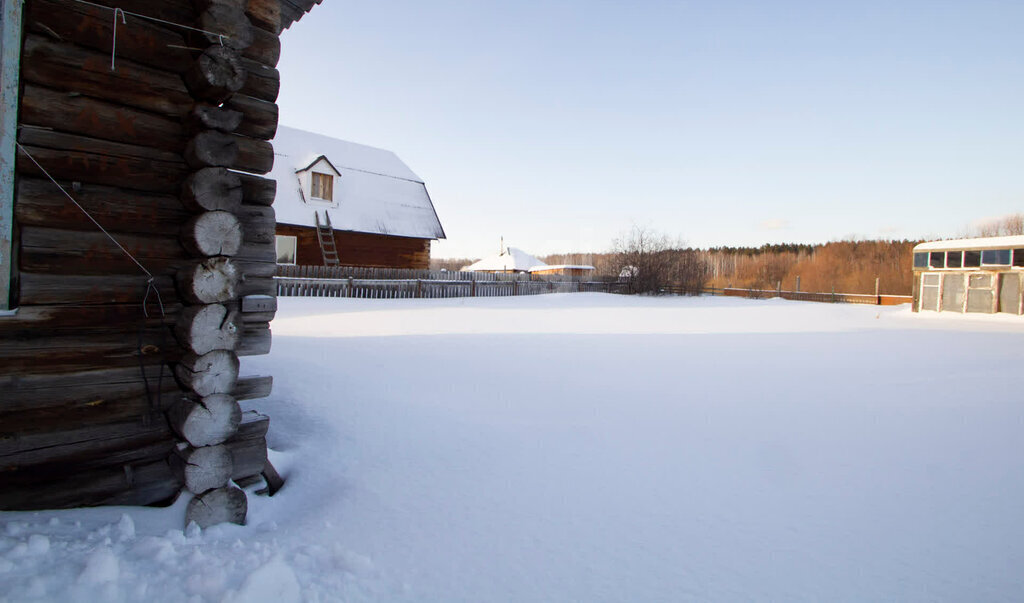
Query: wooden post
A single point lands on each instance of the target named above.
(878, 298)
(798, 284)
(10, 60)
(419, 288)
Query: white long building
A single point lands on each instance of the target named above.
(970, 275)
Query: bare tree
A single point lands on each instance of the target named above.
(1012, 224)
(651, 262)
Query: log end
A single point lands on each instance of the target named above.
(222, 505)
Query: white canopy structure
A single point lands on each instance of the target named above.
(511, 259)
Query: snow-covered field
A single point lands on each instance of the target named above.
(589, 447)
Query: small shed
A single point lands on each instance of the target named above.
(343, 203)
(508, 260)
(970, 275)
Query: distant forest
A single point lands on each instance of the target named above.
(849, 266)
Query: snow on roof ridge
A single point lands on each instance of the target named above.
(976, 243)
(357, 146)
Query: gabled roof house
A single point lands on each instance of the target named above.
(343, 203)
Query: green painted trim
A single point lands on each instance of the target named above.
(10, 64)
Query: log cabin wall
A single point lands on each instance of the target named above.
(360, 249)
(107, 385)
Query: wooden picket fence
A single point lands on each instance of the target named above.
(396, 283)
(426, 288)
(391, 274)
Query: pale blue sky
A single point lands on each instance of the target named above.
(559, 124)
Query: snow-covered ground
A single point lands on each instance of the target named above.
(589, 447)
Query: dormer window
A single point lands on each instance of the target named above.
(323, 187)
(317, 182)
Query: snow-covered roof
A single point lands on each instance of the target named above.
(980, 243)
(375, 193)
(512, 259)
(561, 267)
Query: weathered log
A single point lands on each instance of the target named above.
(218, 149)
(256, 340)
(48, 250)
(212, 233)
(76, 351)
(122, 389)
(121, 347)
(40, 203)
(253, 387)
(84, 444)
(256, 156)
(223, 505)
(265, 48)
(71, 112)
(215, 75)
(203, 468)
(210, 281)
(211, 149)
(253, 268)
(212, 373)
(83, 159)
(39, 289)
(206, 421)
(175, 11)
(274, 480)
(257, 190)
(249, 455)
(211, 189)
(260, 116)
(253, 425)
(44, 289)
(258, 225)
(265, 14)
(70, 68)
(258, 286)
(249, 445)
(228, 21)
(141, 40)
(129, 484)
(261, 82)
(210, 117)
(40, 321)
(70, 289)
(203, 329)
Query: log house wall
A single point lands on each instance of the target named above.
(81, 363)
(360, 249)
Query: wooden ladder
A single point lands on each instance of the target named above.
(325, 234)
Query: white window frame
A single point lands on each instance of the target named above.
(294, 240)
